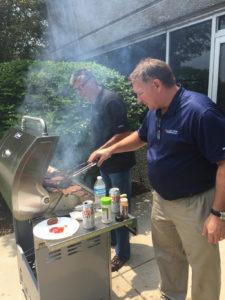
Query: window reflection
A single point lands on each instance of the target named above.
(189, 56)
(125, 59)
(221, 79)
(221, 22)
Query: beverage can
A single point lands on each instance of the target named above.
(124, 208)
(88, 214)
(114, 194)
(106, 210)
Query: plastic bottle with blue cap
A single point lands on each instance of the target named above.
(99, 191)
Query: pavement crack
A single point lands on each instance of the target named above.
(133, 268)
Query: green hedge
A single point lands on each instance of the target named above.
(42, 89)
(12, 91)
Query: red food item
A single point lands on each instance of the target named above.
(71, 189)
(57, 178)
(52, 221)
(56, 229)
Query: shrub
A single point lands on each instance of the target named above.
(12, 90)
(42, 89)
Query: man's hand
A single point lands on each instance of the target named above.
(100, 156)
(214, 227)
(130, 143)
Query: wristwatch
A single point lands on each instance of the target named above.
(219, 214)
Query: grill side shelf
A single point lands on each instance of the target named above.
(83, 234)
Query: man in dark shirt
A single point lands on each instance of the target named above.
(185, 134)
(109, 125)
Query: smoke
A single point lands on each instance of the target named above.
(74, 32)
(48, 93)
(49, 96)
(62, 33)
(81, 31)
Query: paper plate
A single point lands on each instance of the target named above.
(77, 215)
(64, 228)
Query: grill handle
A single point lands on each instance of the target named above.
(43, 125)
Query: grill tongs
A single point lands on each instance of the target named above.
(75, 171)
(82, 168)
(66, 180)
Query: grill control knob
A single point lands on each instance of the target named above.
(6, 153)
(46, 200)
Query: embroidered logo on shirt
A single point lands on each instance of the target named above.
(120, 126)
(18, 135)
(171, 131)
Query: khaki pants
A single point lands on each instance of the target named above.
(177, 238)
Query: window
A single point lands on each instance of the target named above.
(221, 22)
(189, 55)
(125, 59)
(221, 79)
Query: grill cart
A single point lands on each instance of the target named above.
(71, 266)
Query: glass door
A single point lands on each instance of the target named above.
(218, 92)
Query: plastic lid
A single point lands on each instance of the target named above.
(123, 195)
(105, 200)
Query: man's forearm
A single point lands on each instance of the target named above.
(214, 227)
(115, 139)
(130, 143)
(219, 202)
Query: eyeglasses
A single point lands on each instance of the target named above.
(82, 85)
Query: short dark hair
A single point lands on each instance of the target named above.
(151, 68)
(83, 72)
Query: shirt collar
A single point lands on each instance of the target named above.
(174, 103)
(99, 98)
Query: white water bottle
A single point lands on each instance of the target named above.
(99, 191)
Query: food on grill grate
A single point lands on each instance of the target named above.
(48, 183)
(57, 182)
(58, 178)
(73, 189)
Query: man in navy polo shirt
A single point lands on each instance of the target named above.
(185, 134)
(109, 125)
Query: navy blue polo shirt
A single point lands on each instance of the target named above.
(184, 145)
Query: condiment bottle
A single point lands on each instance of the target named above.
(124, 208)
(106, 210)
(123, 196)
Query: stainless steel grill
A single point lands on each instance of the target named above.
(75, 267)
